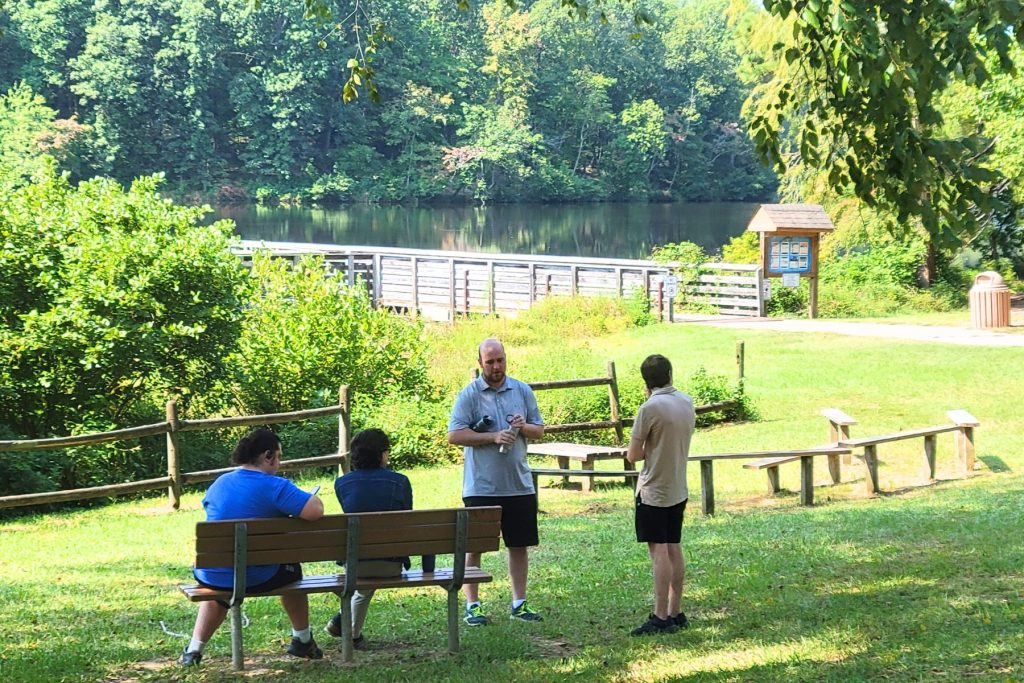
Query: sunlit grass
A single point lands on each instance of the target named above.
(923, 582)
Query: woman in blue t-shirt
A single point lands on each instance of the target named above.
(255, 491)
(370, 487)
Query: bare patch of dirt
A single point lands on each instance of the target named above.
(554, 648)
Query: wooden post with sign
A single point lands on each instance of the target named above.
(790, 235)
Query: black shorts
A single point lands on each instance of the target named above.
(286, 573)
(518, 517)
(659, 525)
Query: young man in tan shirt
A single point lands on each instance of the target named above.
(661, 438)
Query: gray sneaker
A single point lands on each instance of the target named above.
(475, 616)
(524, 613)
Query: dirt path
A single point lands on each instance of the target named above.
(964, 336)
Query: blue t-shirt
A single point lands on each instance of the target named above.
(375, 490)
(248, 494)
(487, 471)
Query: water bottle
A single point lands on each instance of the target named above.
(504, 447)
(483, 424)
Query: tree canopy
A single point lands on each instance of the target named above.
(862, 82)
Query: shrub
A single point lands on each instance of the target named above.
(744, 248)
(306, 332)
(109, 301)
(417, 426)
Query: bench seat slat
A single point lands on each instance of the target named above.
(898, 436)
(338, 538)
(369, 521)
(770, 462)
(332, 583)
(585, 473)
(331, 553)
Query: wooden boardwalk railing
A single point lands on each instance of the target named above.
(445, 284)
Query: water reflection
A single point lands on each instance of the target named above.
(602, 230)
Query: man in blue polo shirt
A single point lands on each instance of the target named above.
(493, 417)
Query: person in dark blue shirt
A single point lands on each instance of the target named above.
(370, 487)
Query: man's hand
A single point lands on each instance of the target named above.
(506, 437)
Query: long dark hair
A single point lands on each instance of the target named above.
(253, 445)
(367, 449)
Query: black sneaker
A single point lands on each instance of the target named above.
(333, 627)
(681, 621)
(305, 650)
(359, 643)
(655, 625)
(190, 658)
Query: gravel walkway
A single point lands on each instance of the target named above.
(964, 336)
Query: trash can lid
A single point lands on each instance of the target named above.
(990, 279)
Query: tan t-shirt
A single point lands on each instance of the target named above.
(664, 427)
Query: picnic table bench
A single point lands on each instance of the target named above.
(587, 455)
(335, 538)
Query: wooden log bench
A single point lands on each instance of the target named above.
(629, 475)
(805, 456)
(336, 538)
(838, 429)
(587, 455)
(961, 422)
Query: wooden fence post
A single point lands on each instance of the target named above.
(343, 427)
(173, 465)
(491, 300)
(762, 303)
(964, 437)
(807, 480)
(871, 465)
(414, 267)
(929, 456)
(838, 431)
(661, 302)
(739, 360)
(707, 487)
(613, 402)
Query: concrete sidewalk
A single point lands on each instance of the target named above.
(965, 336)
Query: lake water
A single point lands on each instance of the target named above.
(601, 230)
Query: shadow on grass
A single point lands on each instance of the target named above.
(897, 588)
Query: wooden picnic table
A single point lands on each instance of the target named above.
(586, 454)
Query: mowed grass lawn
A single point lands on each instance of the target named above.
(924, 582)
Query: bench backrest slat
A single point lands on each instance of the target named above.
(386, 534)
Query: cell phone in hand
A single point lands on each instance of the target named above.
(316, 490)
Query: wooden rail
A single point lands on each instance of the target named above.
(175, 478)
(445, 284)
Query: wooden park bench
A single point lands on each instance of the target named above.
(537, 472)
(348, 538)
(838, 430)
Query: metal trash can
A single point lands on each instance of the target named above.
(990, 301)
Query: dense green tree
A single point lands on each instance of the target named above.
(231, 98)
(110, 300)
(866, 98)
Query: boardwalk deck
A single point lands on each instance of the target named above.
(444, 284)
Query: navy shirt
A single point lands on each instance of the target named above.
(374, 490)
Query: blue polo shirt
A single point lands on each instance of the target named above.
(248, 494)
(488, 472)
